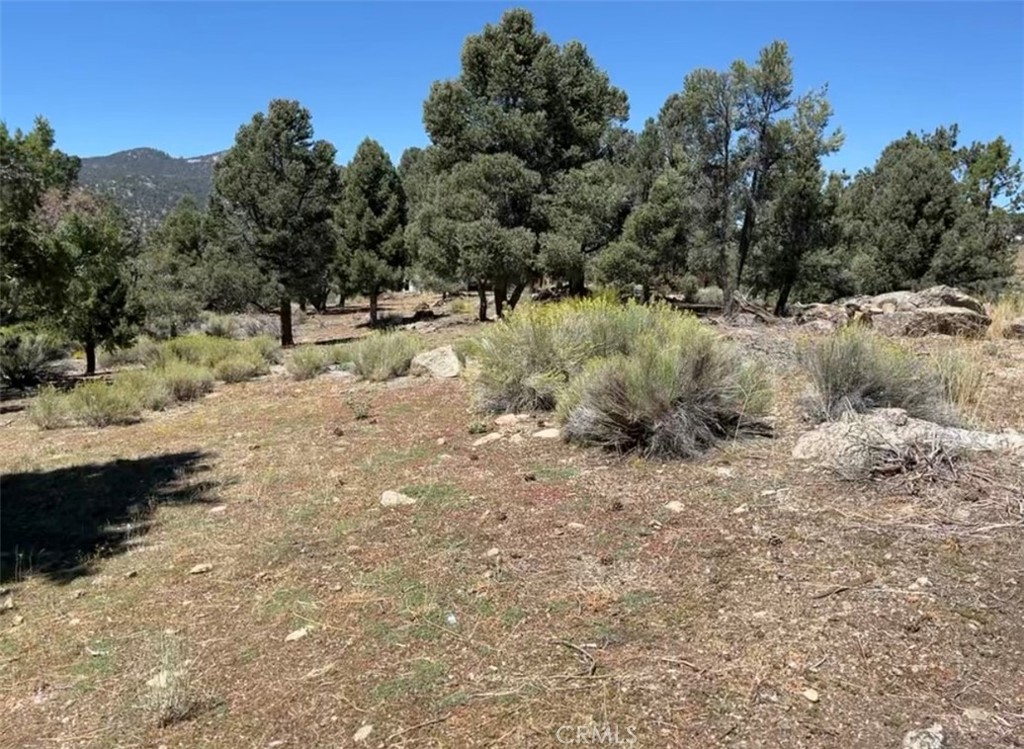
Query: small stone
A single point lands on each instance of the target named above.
(8, 604)
(507, 420)
(352, 548)
(487, 439)
(363, 733)
(441, 440)
(297, 634)
(575, 526)
(724, 472)
(923, 582)
(517, 439)
(493, 552)
(451, 620)
(933, 737)
(18, 619)
(675, 506)
(395, 499)
(201, 569)
(552, 433)
(811, 695)
(218, 509)
(741, 509)
(976, 714)
(131, 573)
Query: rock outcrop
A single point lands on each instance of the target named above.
(439, 362)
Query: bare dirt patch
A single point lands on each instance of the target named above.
(530, 587)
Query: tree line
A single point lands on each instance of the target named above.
(530, 174)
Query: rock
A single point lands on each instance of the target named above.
(976, 714)
(575, 526)
(439, 362)
(907, 301)
(395, 499)
(510, 420)
(363, 733)
(201, 569)
(957, 321)
(1014, 329)
(552, 433)
(493, 552)
(857, 444)
(297, 634)
(821, 316)
(933, 737)
(517, 439)
(487, 439)
(8, 604)
(675, 506)
(441, 440)
(811, 695)
(218, 509)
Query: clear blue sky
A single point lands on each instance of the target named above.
(182, 76)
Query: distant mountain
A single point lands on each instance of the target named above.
(148, 183)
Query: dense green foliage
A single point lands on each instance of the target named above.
(530, 176)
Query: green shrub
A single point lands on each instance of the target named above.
(49, 409)
(28, 357)
(381, 356)
(144, 351)
(239, 368)
(199, 349)
(99, 404)
(147, 387)
(529, 356)
(679, 391)
(306, 362)
(857, 370)
(219, 326)
(186, 381)
(265, 347)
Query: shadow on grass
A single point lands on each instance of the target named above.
(59, 523)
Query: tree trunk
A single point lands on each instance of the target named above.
(483, 301)
(517, 292)
(302, 303)
(286, 322)
(373, 309)
(90, 357)
(783, 300)
(746, 233)
(577, 283)
(500, 295)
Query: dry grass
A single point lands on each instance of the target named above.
(897, 601)
(1007, 310)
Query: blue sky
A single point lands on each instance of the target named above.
(182, 76)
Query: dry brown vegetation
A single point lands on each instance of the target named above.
(222, 574)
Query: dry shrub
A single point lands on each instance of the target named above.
(677, 393)
(49, 409)
(1007, 310)
(170, 696)
(239, 368)
(28, 357)
(149, 389)
(855, 369)
(381, 356)
(962, 380)
(99, 404)
(306, 362)
(187, 381)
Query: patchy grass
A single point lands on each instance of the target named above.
(444, 622)
(855, 369)
(381, 356)
(1006, 311)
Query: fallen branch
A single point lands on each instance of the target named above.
(416, 727)
(586, 656)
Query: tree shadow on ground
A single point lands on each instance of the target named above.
(59, 523)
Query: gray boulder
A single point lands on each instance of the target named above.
(439, 362)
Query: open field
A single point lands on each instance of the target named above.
(222, 574)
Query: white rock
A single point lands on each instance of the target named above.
(363, 733)
(297, 634)
(218, 509)
(675, 506)
(933, 737)
(487, 439)
(811, 695)
(395, 499)
(552, 433)
(493, 552)
(439, 362)
(201, 569)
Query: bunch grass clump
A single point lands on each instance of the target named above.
(306, 362)
(677, 393)
(240, 367)
(28, 356)
(186, 381)
(381, 356)
(147, 387)
(1007, 310)
(49, 409)
(526, 359)
(98, 403)
(857, 370)
(962, 380)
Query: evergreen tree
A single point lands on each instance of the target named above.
(371, 219)
(274, 193)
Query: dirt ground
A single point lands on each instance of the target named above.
(222, 574)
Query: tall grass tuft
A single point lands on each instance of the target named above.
(677, 392)
(186, 381)
(1007, 310)
(381, 356)
(147, 387)
(855, 369)
(49, 409)
(241, 367)
(99, 404)
(306, 362)
(962, 380)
